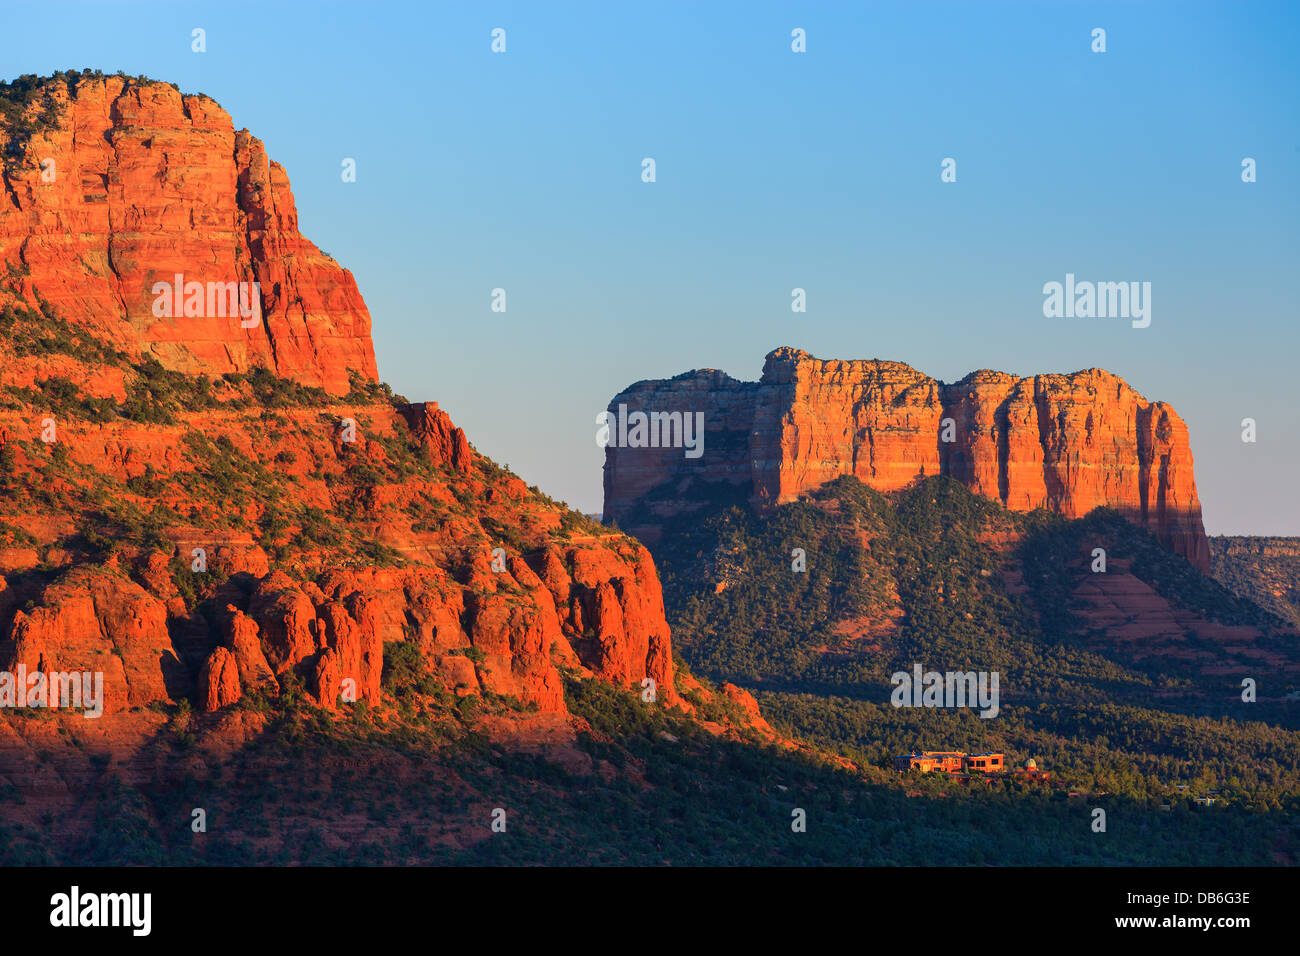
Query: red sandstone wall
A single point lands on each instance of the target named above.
(1068, 443)
(149, 183)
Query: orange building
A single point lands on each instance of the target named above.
(989, 764)
(944, 761)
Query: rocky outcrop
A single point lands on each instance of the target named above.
(98, 622)
(251, 665)
(218, 681)
(594, 607)
(744, 700)
(133, 184)
(1067, 443)
(614, 616)
(443, 443)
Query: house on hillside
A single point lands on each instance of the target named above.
(987, 762)
(990, 764)
(944, 761)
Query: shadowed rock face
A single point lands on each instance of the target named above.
(1067, 443)
(134, 184)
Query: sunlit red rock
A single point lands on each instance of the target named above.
(443, 443)
(149, 184)
(218, 681)
(1067, 443)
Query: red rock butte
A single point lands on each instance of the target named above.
(111, 184)
(134, 183)
(1067, 443)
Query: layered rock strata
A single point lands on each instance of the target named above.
(1067, 443)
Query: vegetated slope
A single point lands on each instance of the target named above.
(103, 522)
(317, 546)
(938, 575)
(1263, 569)
(634, 785)
(1127, 681)
(231, 560)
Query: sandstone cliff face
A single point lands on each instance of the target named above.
(136, 184)
(482, 622)
(443, 443)
(1067, 443)
(487, 615)
(323, 544)
(99, 622)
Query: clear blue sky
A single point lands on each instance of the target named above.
(775, 170)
